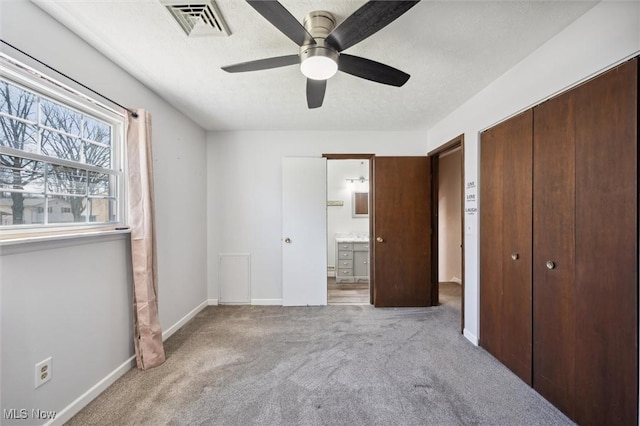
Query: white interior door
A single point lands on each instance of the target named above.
(304, 231)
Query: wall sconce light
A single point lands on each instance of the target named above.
(358, 184)
(361, 179)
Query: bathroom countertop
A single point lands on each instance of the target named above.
(352, 238)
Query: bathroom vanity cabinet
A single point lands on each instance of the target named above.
(352, 260)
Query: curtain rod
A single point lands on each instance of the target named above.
(133, 113)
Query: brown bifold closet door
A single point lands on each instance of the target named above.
(491, 200)
(582, 285)
(585, 266)
(554, 328)
(606, 113)
(505, 243)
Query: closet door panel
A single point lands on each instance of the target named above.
(505, 227)
(606, 247)
(554, 326)
(516, 253)
(491, 252)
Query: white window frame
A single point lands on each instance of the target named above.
(45, 87)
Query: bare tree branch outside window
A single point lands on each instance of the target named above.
(17, 172)
(36, 125)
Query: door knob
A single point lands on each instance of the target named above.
(380, 239)
(287, 240)
(515, 256)
(551, 264)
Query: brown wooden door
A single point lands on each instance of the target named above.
(554, 328)
(517, 246)
(491, 247)
(606, 112)
(402, 227)
(586, 249)
(505, 243)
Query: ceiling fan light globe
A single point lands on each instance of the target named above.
(318, 62)
(319, 67)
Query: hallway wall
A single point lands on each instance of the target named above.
(450, 217)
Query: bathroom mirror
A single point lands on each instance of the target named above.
(360, 204)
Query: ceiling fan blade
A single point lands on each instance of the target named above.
(367, 20)
(283, 20)
(372, 70)
(263, 64)
(315, 92)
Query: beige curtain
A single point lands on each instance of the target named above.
(147, 332)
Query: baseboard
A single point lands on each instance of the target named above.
(74, 408)
(470, 337)
(212, 302)
(175, 327)
(267, 302)
(456, 280)
(235, 303)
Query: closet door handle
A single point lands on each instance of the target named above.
(515, 256)
(551, 264)
(380, 239)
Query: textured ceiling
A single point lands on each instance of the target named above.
(451, 49)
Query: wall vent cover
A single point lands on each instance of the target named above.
(200, 18)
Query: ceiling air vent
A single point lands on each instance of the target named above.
(200, 18)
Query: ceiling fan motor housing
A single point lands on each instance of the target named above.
(319, 24)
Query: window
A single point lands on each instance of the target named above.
(60, 158)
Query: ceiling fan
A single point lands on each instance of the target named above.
(321, 44)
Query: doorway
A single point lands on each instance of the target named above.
(348, 226)
(400, 225)
(448, 259)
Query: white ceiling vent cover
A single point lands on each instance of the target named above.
(201, 18)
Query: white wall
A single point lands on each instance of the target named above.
(604, 36)
(73, 300)
(340, 219)
(245, 196)
(449, 213)
(78, 315)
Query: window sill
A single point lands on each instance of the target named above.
(16, 240)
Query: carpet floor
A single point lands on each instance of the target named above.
(333, 365)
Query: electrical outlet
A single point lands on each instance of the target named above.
(43, 372)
